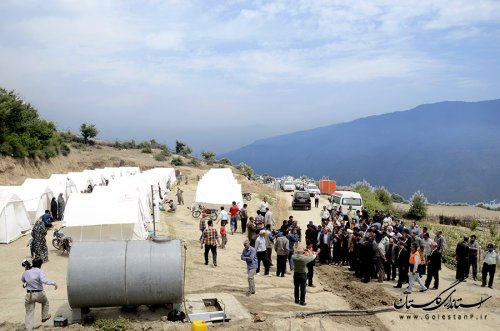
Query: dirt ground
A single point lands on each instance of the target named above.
(336, 288)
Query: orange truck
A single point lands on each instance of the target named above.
(327, 186)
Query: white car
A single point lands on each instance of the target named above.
(312, 189)
(288, 186)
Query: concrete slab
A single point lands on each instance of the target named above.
(234, 309)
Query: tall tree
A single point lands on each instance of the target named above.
(88, 132)
(418, 207)
(181, 148)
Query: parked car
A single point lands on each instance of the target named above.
(301, 199)
(312, 189)
(288, 186)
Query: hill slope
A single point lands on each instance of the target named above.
(448, 150)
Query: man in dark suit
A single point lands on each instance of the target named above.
(433, 267)
(402, 261)
(462, 255)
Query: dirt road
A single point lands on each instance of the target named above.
(335, 287)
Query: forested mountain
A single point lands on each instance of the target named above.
(448, 150)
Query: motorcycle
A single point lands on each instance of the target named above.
(212, 213)
(247, 196)
(61, 242)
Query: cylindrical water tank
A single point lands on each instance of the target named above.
(118, 273)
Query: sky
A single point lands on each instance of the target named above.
(221, 74)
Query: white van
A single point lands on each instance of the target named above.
(346, 199)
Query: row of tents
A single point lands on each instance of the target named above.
(119, 207)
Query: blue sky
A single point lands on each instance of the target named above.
(221, 74)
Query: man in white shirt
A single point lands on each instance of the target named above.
(490, 258)
(260, 247)
(224, 216)
(268, 218)
(263, 206)
(325, 216)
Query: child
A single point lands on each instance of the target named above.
(223, 235)
(202, 225)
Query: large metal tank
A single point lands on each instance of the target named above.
(118, 273)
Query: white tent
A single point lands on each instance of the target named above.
(103, 216)
(60, 183)
(14, 221)
(96, 175)
(218, 186)
(81, 180)
(36, 196)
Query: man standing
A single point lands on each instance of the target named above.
(490, 259)
(269, 244)
(390, 260)
(223, 216)
(380, 253)
(268, 218)
(300, 276)
(473, 253)
(233, 211)
(281, 246)
(263, 206)
(316, 200)
(402, 263)
(433, 267)
(462, 255)
(310, 266)
(34, 279)
(440, 241)
(211, 240)
(180, 198)
(325, 216)
(244, 218)
(249, 255)
(260, 247)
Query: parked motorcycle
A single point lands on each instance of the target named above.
(212, 213)
(61, 242)
(247, 196)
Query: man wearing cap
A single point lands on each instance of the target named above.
(490, 259)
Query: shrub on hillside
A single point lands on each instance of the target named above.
(383, 196)
(474, 225)
(418, 207)
(225, 161)
(397, 198)
(161, 156)
(194, 162)
(147, 149)
(177, 161)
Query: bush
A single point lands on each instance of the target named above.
(162, 156)
(397, 198)
(177, 161)
(383, 196)
(65, 150)
(225, 161)
(147, 149)
(474, 224)
(418, 208)
(194, 162)
(120, 324)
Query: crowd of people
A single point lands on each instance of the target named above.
(374, 247)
